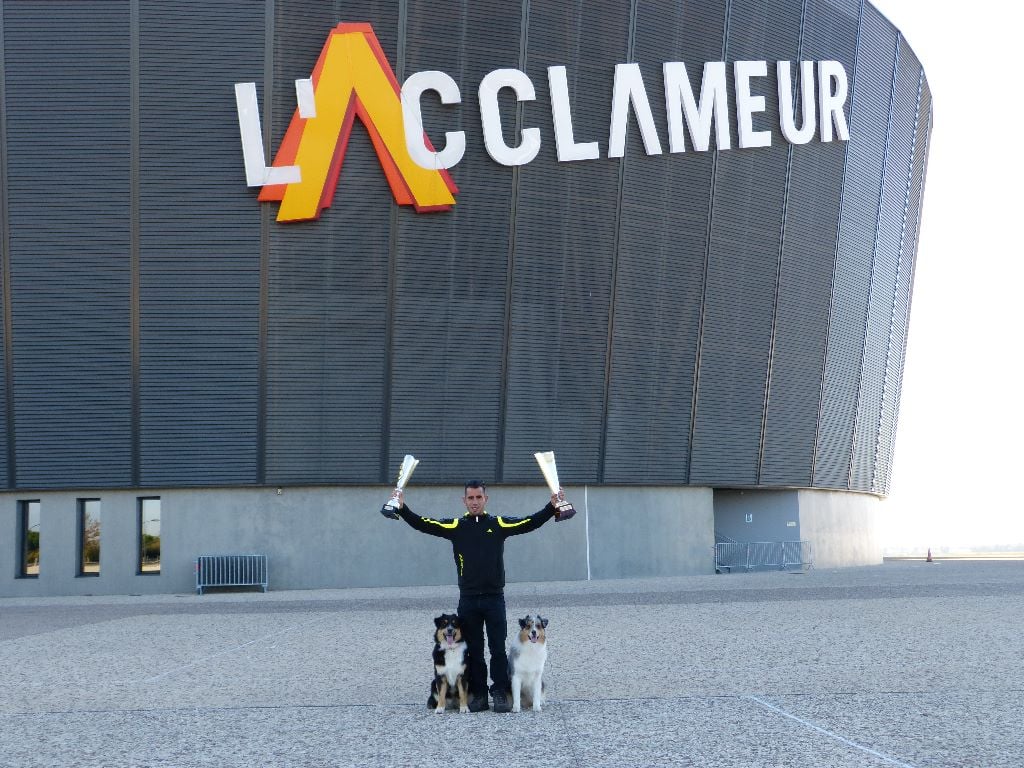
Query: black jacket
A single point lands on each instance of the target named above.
(478, 544)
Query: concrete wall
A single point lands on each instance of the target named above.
(842, 527)
(332, 538)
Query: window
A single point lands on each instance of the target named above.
(28, 538)
(149, 535)
(89, 537)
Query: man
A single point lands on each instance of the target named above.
(478, 545)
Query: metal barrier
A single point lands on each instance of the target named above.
(781, 555)
(796, 555)
(231, 571)
(729, 555)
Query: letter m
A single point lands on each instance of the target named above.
(352, 78)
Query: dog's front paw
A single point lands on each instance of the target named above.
(463, 710)
(536, 707)
(439, 709)
(516, 708)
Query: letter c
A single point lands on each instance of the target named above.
(415, 137)
(491, 117)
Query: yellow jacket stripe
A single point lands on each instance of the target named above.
(452, 524)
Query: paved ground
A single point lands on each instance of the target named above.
(904, 664)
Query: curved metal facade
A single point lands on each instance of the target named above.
(722, 318)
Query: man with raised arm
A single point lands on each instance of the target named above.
(478, 545)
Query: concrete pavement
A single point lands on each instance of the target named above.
(904, 664)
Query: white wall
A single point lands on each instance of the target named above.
(842, 528)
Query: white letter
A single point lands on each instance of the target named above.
(415, 137)
(629, 87)
(305, 98)
(491, 118)
(256, 171)
(747, 105)
(714, 105)
(831, 102)
(787, 120)
(561, 113)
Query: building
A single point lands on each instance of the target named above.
(691, 284)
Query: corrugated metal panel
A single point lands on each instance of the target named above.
(68, 173)
(742, 270)
(8, 433)
(901, 305)
(562, 277)
(885, 271)
(452, 271)
(326, 342)
(328, 290)
(662, 242)
(199, 246)
(857, 233)
(805, 276)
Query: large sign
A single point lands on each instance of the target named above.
(352, 78)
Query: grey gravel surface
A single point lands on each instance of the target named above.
(904, 664)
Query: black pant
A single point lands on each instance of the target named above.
(477, 612)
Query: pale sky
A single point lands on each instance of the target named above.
(958, 446)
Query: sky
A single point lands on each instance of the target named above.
(958, 450)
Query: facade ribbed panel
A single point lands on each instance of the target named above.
(905, 279)
(199, 248)
(858, 230)
(67, 149)
(743, 261)
(881, 317)
(805, 276)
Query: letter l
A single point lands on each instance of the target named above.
(257, 173)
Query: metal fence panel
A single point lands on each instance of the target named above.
(782, 555)
(231, 571)
(764, 554)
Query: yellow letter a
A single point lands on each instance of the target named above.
(352, 78)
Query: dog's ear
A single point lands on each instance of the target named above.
(524, 622)
(440, 621)
(543, 622)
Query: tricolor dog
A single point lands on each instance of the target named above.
(526, 660)
(450, 684)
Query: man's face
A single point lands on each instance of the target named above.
(475, 501)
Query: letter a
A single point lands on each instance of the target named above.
(353, 78)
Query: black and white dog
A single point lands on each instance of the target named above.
(450, 684)
(526, 660)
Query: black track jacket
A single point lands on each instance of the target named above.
(478, 544)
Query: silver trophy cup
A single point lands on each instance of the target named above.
(546, 460)
(390, 509)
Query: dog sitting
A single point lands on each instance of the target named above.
(450, 684)
(526, 660)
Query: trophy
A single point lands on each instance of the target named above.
(390, 509)
(546, 460)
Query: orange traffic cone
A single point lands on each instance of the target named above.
(929, 558)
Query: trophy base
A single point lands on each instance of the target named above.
(564, 511)
(388, 511)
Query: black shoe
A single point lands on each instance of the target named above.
(501, 702)
(478, 703)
